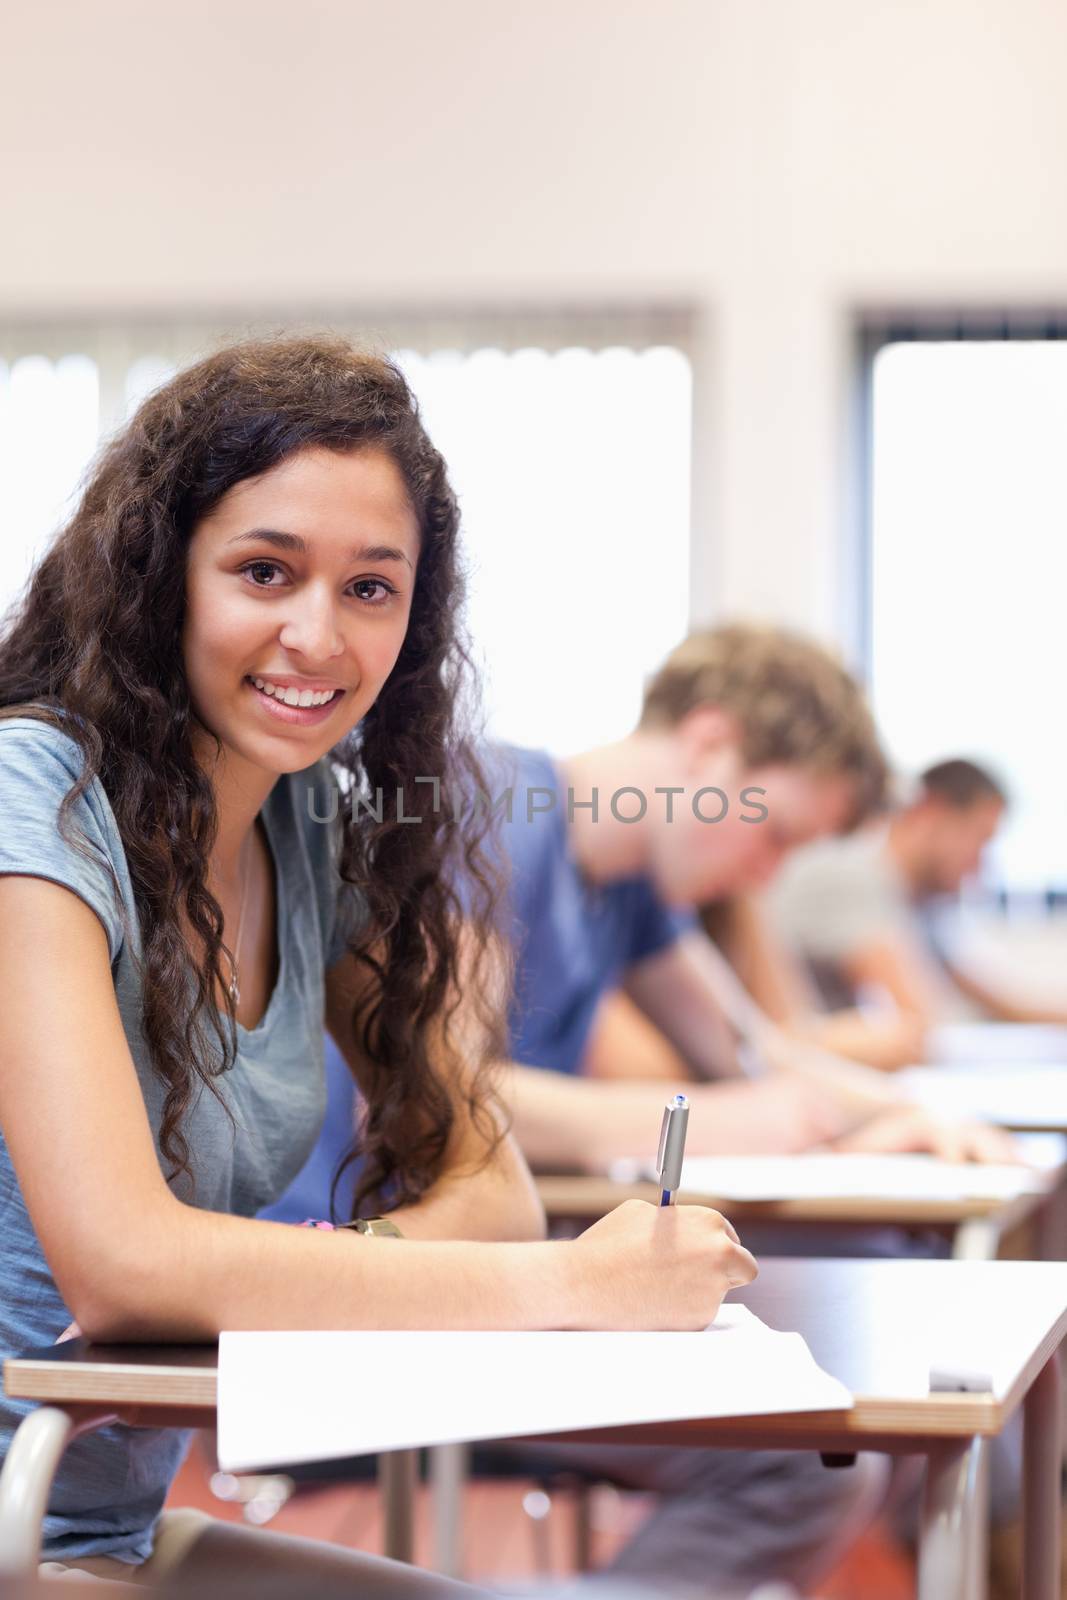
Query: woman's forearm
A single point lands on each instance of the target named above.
(205, 1271)
(857, 1091)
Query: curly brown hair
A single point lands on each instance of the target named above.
(794, 703)
(95, 644)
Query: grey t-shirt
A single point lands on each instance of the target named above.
(833, 898)
(111, 1485)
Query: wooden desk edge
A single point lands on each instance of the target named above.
(145, 1396)
(191, 1393)
(589, 1198)
(27, 1378)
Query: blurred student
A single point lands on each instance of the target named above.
(752, 742)
(867, 914)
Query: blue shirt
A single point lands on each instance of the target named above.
(111, 1484)
(573, 942)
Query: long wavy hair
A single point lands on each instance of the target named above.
(95, 645)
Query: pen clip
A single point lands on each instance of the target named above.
(664, 1125)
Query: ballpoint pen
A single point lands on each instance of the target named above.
(672, 1147)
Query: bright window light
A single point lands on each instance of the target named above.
(49, 426)
(572, 469)
(969, 574)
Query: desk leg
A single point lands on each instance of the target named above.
(1041, 1485)
(448, 1474)
(26, 1482)
(948, 1542)
(398, 1476)
(977, 1239)
(1051, 1226)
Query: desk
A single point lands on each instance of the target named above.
(974, 1226)
(874, 1324)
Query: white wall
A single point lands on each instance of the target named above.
(772, 163)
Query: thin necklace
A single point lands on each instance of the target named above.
(234, 987)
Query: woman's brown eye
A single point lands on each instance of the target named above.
(262, 570)
(366, 589)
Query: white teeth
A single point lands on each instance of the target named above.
(294, 697)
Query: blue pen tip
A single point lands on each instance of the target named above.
(679, 1099)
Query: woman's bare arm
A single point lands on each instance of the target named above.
(485, 1190)
(133, 1262)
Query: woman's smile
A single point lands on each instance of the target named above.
(299, 706)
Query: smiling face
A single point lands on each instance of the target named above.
(298, 590)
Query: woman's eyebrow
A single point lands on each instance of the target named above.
(293, 541)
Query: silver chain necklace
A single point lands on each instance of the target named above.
(234, 986)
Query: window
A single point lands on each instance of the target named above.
(571, 463)
(968, 573)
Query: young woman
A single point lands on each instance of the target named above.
(261, 575)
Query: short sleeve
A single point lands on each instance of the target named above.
(39, 765)
(654, 926)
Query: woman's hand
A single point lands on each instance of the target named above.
(658, 1267)
(913, 1130)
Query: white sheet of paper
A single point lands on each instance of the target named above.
(292, 1397)
(1002, 1094)
(893, 1177)
(1000, 1043)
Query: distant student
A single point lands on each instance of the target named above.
(866, 913)
(752, 742)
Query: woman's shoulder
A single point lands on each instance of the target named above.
(40, 764)
(37, 745)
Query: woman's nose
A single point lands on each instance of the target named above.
(310, 628)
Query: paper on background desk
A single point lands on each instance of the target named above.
(1000, 1043)
(1005, 1094)
(850, 1177)
(298, 1397)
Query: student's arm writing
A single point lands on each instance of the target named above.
(132, 1261)
(688, 990)
(690, 984)
(1000, 1005)
(582, 1124)
(895, 965)
(777, 983)
(624, 1043)
(771, 977)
